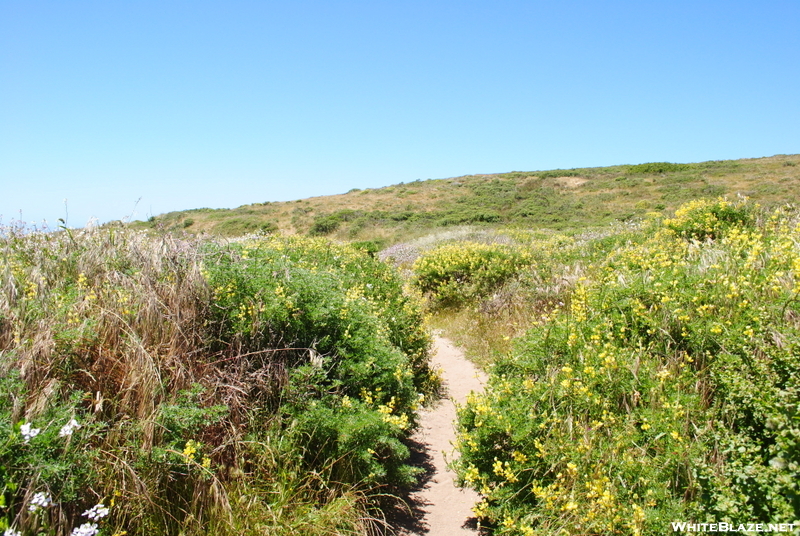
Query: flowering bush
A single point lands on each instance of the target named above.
(459, 272)
(186, 384)
(353, 341)
(665, 389)
(703, 218)
(38, 457)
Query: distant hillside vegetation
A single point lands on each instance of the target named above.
(559, 199)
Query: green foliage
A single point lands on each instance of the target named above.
(354, 443)
(186, 416)
(702, 219)
(176, 356)
(459, 217)
(269, 227)
(47, 460)
(237, 226)
(556, 173)
(371, 247)
(325, 225)
(657, 167)
(455, 273)
(666, 388)
(339, 319)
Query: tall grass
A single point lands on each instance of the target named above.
(199, 375)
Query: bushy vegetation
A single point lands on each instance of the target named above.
(664, 387)
(703, 219)
(162, 386)
(643, 369)
(453, 274)
(658, 167)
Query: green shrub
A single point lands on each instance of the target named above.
(236, 226)
(665, 389)
(371, 247)
(268, 228)
(353, 443)
(325, 224)
(177, 357)
(455, 273)
(703, 219)
(53, 454)
(339, 320)
(469, 215)
(658, 167)
(557, 173)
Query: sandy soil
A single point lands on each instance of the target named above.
(571, 182)
(440, 508)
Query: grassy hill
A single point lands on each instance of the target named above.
(557, 199)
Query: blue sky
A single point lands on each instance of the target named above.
(217, 104)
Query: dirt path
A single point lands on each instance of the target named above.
(441, 508)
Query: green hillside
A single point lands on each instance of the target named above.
(557, 199)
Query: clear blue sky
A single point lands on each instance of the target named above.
(218, 104)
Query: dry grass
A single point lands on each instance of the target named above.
(404, 211)
(122, 319)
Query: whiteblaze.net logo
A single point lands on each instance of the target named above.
(733, 527)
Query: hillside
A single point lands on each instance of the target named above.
(556, 199)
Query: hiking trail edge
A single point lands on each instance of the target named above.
(445, 509)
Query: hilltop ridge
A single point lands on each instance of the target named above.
(561, 199)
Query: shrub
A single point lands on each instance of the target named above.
(325, 224)
(705, 219)
(268, 228)
(343, 327)
(658, 167)
(665, 389)
(371, 247)
(469, 215)
(52, 454)
(459, 272)
(177, 357)
(236, 226)
(557, 173)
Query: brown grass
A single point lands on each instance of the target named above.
(123, 317)
(769, 180)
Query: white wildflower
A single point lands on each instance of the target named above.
(87, 529)
(96, 512)
(27, 432)
(68, 428)
(40, 500)
(12, 532)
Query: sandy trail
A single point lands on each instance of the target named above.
(442, 508)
